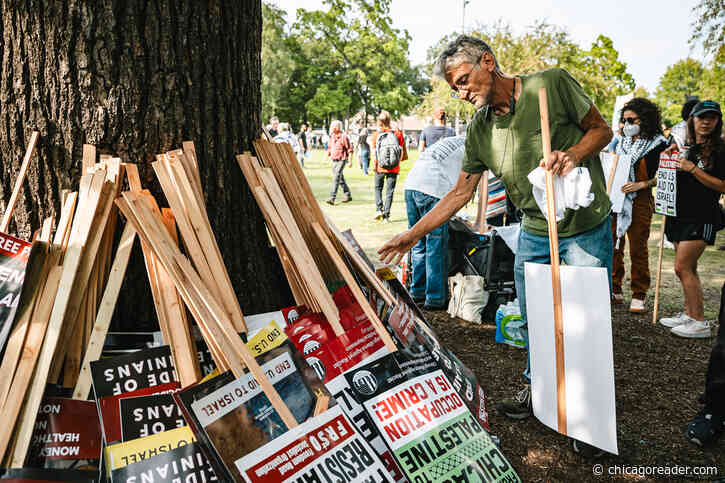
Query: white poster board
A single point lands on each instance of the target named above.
(616, 196)
(666, 198)
(588, 353)
(617, 113)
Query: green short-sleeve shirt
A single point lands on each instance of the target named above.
(510, 146)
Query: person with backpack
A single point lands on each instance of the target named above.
(389, 150)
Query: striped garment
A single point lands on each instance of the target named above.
(496, 197)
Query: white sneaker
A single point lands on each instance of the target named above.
(675, 320)
(378, 215)
(637, 306)
(697, 329)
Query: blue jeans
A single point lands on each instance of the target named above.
(429, 257)
(365, 161)
(593, 248)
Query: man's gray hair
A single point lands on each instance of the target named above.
(335, 123)
(464, 49)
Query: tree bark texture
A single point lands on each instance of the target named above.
(136, 78)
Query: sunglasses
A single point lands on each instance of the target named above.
(630, 120)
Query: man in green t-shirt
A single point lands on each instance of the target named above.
(505, 137)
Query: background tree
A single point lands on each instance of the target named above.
(350, 49)
(137, 78)
(277, 60)
(709, 25)
(684, 78)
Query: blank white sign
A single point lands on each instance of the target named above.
(620, 178)
(588, 354)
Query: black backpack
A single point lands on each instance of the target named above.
(388, 150)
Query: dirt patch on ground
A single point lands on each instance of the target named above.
(658, 380)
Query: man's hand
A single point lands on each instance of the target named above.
(633, 186)
(396, 247)
(560, 162)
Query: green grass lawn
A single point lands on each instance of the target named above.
(371, 234)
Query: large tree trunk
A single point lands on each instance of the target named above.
(136, 78)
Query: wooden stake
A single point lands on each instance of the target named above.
(19, 182)
(612, 172)
(555, 272)
(88, 255)
(362, 267)
(656, 307)
(197, 295)
(105, 312)
(89, 158)
(93, 185)
(354, 288)
(186, 360)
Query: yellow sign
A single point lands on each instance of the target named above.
(129, 452)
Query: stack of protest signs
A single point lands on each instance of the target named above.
(350, 384)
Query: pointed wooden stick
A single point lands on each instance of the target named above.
(19, 182)
(105, 312)
(656, 307)
(199, 298)
(354, 288)
(555, 272)
(612, 172)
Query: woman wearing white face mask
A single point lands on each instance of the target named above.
(640, 148)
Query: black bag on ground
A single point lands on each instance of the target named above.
(487, 256)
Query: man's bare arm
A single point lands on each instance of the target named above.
(448, 206)
(597, 135)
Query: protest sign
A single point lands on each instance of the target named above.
(186, 463)
(425, 423)
(325, 448)
(14, 255)
(130, 372)
(37, 475)
(186, 397)
(236, 417)
(65, 429)
(588, 352)
(145, 415)
(357, 346)
(666, 197)
(109, 408)
(122, 454)
(414, 334)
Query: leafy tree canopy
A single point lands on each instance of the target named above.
(684, 78)
(346, 58)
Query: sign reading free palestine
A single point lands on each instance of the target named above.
(433, 435)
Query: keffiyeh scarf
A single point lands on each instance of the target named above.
(630, 151)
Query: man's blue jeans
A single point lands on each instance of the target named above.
(429, 257)
(365, 161)
(593, 248)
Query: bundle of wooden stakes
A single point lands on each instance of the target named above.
(313, 251)
(69, 295)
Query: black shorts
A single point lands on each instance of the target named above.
(678, 230)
